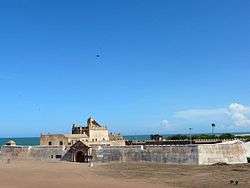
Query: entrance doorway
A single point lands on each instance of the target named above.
(80, 157)
(78, 152)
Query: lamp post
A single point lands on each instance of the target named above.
(213, 126)
(190, 136)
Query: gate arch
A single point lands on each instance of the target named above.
(78, 152)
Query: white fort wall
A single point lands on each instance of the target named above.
(247, 147)
(229, 152)
(232, 152)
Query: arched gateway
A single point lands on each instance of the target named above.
(78, 152)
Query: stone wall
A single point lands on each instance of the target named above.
(47, 153)
(232, 152)
(32, 152)
(204, 154)
(98, 134)
(117, 143)
(99, 137)
(247, 147)
(229, 152)
(15, 152)
(53, 139)
(160, 154)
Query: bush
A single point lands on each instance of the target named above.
(226, 136)
(178, 137)
(204, 136)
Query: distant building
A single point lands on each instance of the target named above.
(91, 134)
(10, 143)
(156, 137)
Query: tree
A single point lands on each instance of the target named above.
(226, 136)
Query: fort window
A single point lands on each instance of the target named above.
(61, 143)
(58, 156)
(96, 139)
(51, 156)
(93, 140)
(50, 143)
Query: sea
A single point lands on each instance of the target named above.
(32, 141)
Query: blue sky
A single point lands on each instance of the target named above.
(164, 66)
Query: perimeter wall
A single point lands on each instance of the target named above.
(232, 152)
(229, 152)
(247, 147)
(160, 154)
(32, 152)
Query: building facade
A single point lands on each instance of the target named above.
(91, 134)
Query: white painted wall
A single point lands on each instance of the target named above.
(247, 147)
(232, 152)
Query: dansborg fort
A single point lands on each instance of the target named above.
(94, 143)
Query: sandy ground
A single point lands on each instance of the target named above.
(37, 174)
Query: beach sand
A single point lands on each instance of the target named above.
(38, 174)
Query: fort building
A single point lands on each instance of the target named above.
(91, 134)
(94, 143)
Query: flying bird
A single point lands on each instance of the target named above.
(98, 55)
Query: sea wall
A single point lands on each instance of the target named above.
(232, 152)
(183, 154)
(32, 152)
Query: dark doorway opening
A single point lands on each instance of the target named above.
(78, 152)
(80, 157)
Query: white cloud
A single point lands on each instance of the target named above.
(240, 114)
(200, 113)
(235, 114)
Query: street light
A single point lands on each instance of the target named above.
(190, 136)
(213, 126)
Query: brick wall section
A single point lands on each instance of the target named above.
(32, 153)
(159, 154)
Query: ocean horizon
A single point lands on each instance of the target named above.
(32, 141)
